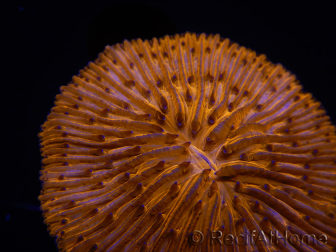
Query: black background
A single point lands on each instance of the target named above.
(44, 44)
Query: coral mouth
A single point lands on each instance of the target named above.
(202, 157)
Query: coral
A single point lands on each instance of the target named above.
(157, 141)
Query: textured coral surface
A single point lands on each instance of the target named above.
(157, 139)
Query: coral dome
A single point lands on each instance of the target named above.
(187, 143)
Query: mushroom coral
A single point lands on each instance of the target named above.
(157, 139)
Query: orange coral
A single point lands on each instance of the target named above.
(157, 139)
